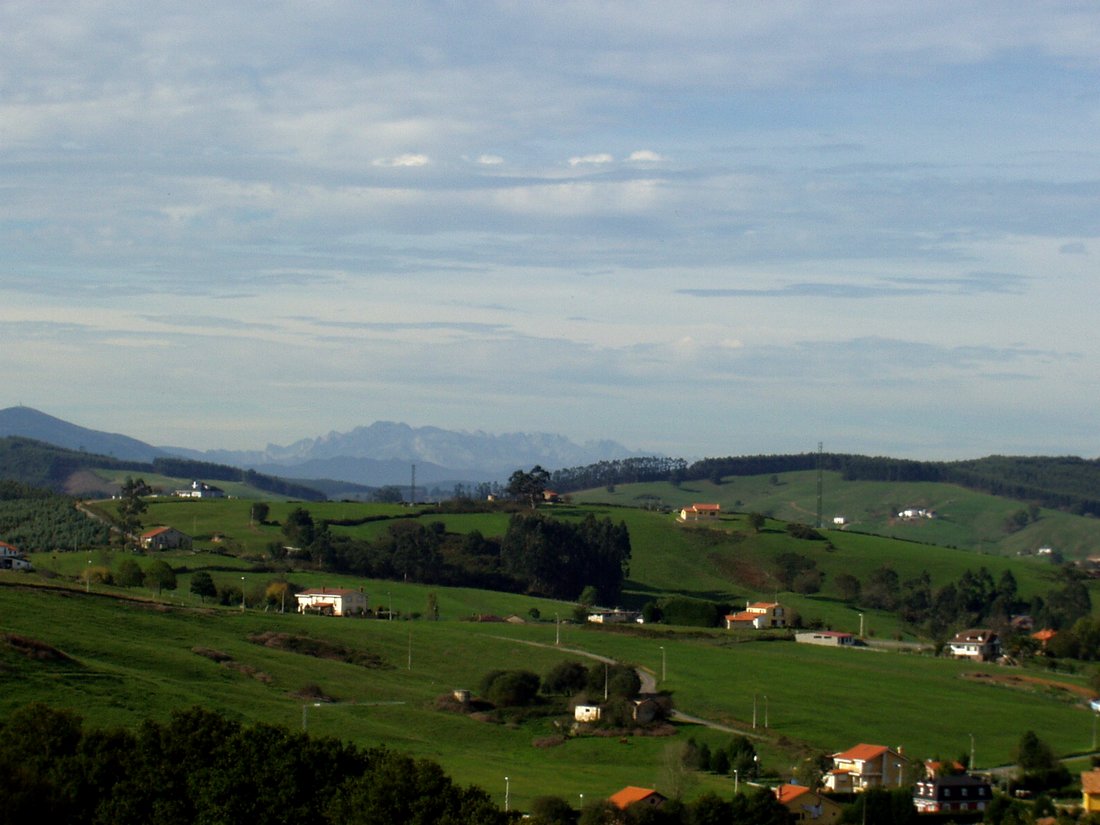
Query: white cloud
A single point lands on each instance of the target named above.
(594, 159)
(490, 160)
(403, 160)
(645, 156)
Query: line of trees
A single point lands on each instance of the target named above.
(202, 767)
(537, 554)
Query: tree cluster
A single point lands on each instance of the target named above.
(202, 767)
(537, 554)
(36, 520)
(975, 599)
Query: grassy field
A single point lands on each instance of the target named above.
(133, 655)
(134, 659)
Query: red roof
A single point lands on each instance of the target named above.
(11, 547)
(763, 605)
(1090, 781)
(706, 507)
(631, 794)
(789, 793)
(156, 531)
(861, 752)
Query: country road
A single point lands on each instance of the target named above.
(648, 685)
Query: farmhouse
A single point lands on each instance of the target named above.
(916, 512)
(701, 512)
(1090, 790)
(828, 638)
(977, 644)
(586, 713)
(11, 558)
(632, 795)
(956, 793)
(806, 805)
(866, 766)
(600, 616)
(164, 538)
(758, 616)
(332, 601)
(200, 489)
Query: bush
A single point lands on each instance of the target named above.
(511, 688)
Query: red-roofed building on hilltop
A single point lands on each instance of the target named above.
(699, 512)
(807, 805)
(758, 616)
(632, 795)
(866, 766)
(332, 601)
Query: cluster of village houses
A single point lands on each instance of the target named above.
(942, 789)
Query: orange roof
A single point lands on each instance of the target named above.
(1090, 781)
(9, 546)
(743, 616)
(629, 795)
(156, 531)
(789, 793)
(702, 507)
(1044, 635)
(861, 752)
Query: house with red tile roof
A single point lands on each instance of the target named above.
(866, 766)
(701, 512)
(332, 601)
(164, 538)
(807, 805)
(758, 616)
(633, 795)
(1090, 790)
(12, 558)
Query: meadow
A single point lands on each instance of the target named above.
(134, 659)
(133, 653)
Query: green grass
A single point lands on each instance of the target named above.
(966, 518)
(135, 660)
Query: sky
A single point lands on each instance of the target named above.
(695, 228)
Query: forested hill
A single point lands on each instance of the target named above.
(43, 465)
(1060, 482)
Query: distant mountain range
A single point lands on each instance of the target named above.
(376, 455)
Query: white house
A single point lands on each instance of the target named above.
(586, 713)
(701, 512)
(829, 638)
(757, 616)
(332, 601)
(600, 616)
(866, 766)
(11, 558)
(200, 489)
(977, 643)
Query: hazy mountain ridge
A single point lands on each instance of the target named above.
(375, 455)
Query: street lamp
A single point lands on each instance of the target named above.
(861, 625)
(557, 631)
(242, 592)
(736, 781)
(88, 578)
(305, 712)
(765, 710)
(507, 792)
(971, 766)
(664, 671)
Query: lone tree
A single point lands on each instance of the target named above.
(131, 506)
(202, 585)
(529, 486)
(160, 576)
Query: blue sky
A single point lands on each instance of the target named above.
(697, 228)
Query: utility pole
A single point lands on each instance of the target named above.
(820, 483)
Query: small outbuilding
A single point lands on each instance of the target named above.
(332, 601)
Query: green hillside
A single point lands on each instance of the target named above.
(964, 518)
